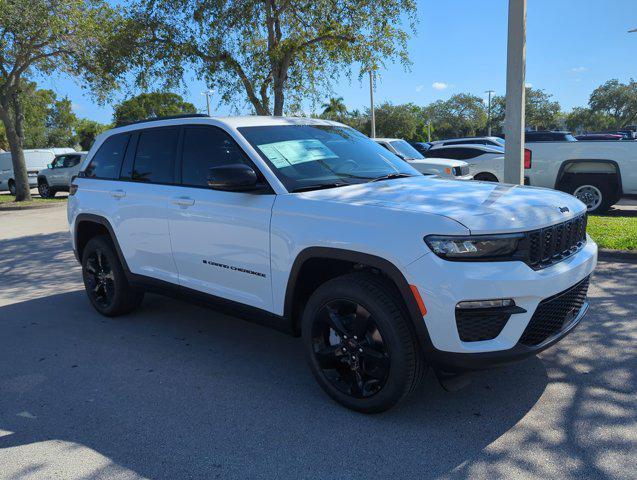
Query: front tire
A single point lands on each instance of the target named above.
(105, 281)
(12, 189)
(45, 190)
(359, 344)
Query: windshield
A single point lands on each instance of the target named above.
(499, 140)
(406, 150)
(320, 156)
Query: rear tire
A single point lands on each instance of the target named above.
(597, 195)
(359, 343)
(45, 190)
(12, 190)
(105, 281)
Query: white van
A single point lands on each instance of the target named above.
(35, 160)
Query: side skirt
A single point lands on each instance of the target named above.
(222, 305)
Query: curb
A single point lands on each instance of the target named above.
(624, 256)
(36, 206)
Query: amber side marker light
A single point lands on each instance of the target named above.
(421, 304)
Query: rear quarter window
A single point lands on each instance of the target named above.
(107, 161)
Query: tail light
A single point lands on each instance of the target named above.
(527, 158)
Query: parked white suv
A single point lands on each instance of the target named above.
(443, 167)
(309, 226)
(59, 173)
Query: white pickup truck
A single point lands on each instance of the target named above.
(598, 173)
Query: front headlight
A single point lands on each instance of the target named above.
(474, 246)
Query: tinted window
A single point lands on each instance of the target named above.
(204, 148)
(454, 153)
(155, 156)
(108, 159)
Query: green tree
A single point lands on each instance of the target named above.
(86, 130)
(151, 105)
(617, 100)
(460, 116)
(48, 36)
(582, 119)
(398, 121)
(268, 51)
(541, 113)
(60, 124)
(335, 108)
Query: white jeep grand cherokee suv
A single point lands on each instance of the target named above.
(315, 229)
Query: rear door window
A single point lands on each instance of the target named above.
(107, 162)
(155, 155)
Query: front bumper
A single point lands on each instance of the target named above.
(443, 284)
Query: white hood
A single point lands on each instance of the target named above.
(482, 207)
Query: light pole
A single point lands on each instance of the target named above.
(489, 113)
(208, 93)
(514, 116)
(371, 102)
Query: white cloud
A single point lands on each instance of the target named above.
(528, 85)
(440, 85)
(419, 88)
(578, 69)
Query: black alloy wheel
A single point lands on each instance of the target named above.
(99, 279)
(105, 280)
(349, 348)
(359, 343)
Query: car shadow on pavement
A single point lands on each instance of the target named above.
(176, 391)
(31, 264)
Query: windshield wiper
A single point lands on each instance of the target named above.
(319, 186)
(389, 176)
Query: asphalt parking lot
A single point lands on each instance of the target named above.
(175, 391)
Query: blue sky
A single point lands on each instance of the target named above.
(460, 46)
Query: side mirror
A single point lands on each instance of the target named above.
(233, 178)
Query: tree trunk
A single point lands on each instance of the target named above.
(23, 193)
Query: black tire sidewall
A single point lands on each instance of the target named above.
(607, 196)
(399, 371)
(12, 188)
(104, 243)
(50, 192)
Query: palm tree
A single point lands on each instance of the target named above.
(334, 108)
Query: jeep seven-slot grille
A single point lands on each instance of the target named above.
(551, 244)
(555, 313)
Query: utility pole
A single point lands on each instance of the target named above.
(489, 113)
(371, 101)
(208, 93)
(514, 116)
(429, 130)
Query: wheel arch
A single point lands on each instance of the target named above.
(301, 284)
(88, 225)
(562, 180)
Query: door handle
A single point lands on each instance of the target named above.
(183, 201)
(118, 194)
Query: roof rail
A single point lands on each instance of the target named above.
(169, 117)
